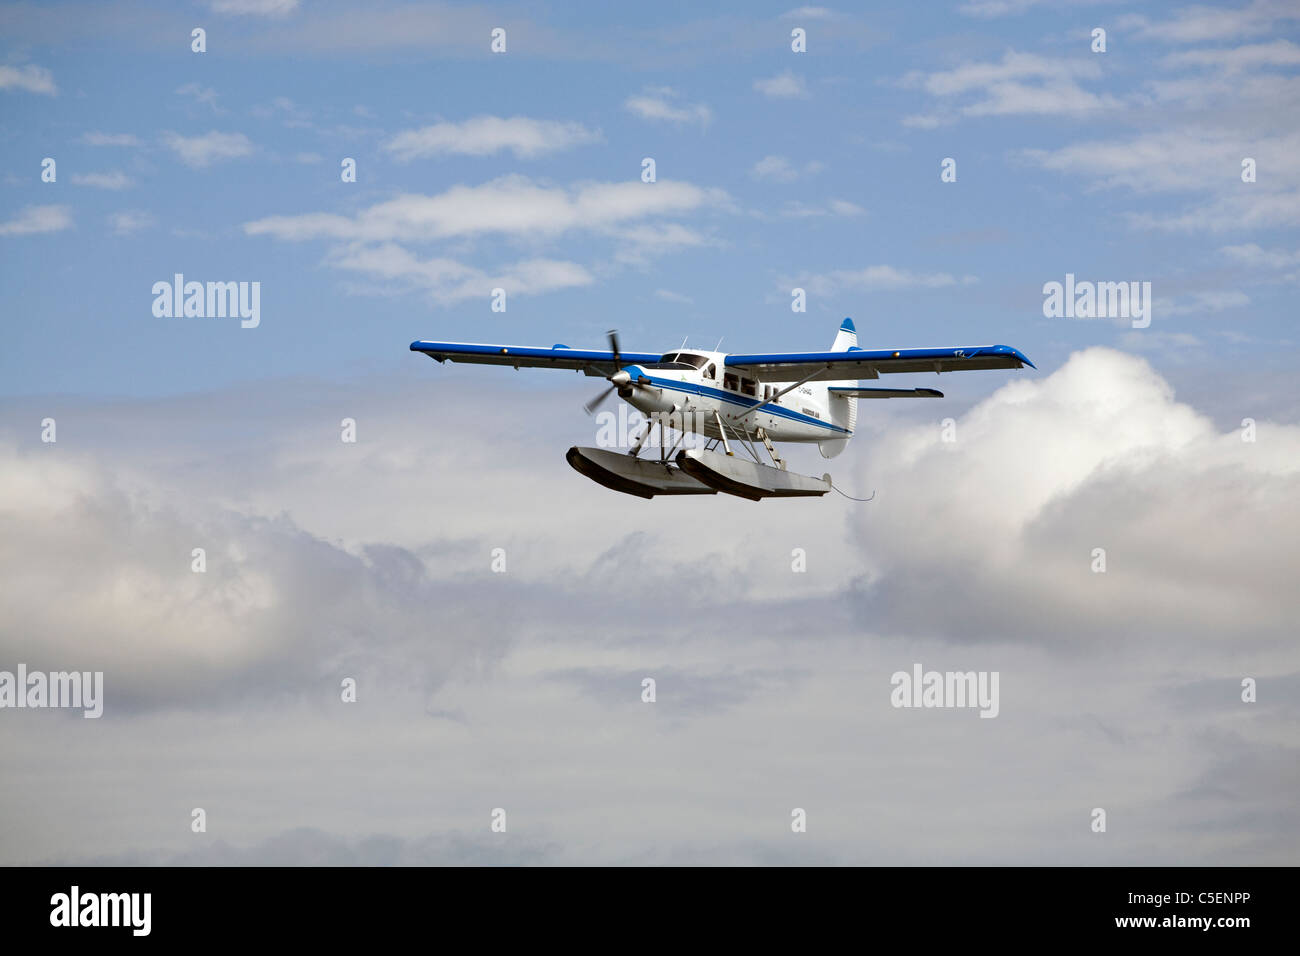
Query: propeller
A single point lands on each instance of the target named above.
(619, 380)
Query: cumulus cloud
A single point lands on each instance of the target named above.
(526, 138)
(1096, 455)
(326, 559)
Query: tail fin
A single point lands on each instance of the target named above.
(844, 411)
(846, 338)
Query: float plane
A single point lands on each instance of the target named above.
(734, 401)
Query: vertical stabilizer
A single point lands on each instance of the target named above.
(844, 411)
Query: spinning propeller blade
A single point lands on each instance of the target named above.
(600, 399)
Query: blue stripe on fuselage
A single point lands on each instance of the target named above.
(774, 409)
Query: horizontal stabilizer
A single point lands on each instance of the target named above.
(885, 392)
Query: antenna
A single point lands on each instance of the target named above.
(718, 347)
(683, 345)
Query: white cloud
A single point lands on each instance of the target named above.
(1199, 23)
(785, 85)
(1021, 83)
(511, 205)
(1236, 59)
(877, 278)
(257, 8)
(1201, 302)
(447, 281)
(323, 560)
(990, 9)
(37, 219)
(111, 180)
(1201, 161)
(809, 13)
(675, 297)
(780, 169)
(202, 151)
(31, 78)
(1095, 455)
(1254, 256)
(662, 103)
(130, 221)
(835, 207)
(485, 135)
(200, 94)
(110, 139)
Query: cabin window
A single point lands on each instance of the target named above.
(749, 386)
(681, 360)
(731, 381)
(711, 372)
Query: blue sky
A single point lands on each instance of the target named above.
(802, 169)
(520, 687)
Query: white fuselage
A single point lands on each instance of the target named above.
(698, 387)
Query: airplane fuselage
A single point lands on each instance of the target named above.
(697, 386)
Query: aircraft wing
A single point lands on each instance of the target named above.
(590, 361)
(886, 392)
(862, 363)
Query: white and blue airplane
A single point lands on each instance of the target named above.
(745, 400)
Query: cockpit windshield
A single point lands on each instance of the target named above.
(681, 360)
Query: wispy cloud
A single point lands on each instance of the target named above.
(202, 151)
(785, 85)
(111, 180)
(30, 78)
(876, 278)
(511, 205)
(37, 219)
(1199, 23)
(485, 135)
(200, 94)
(663, 103)
(254, 8)
(779, 169)
(130, 221)
(1020, 83)
(110, 139)
(448, 281)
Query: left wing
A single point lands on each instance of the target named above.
(859, 363)
(590, 361)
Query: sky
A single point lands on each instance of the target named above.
(1169, 158)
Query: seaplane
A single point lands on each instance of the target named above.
(734, 401)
